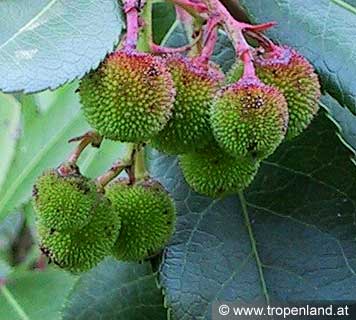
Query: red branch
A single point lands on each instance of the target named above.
(235, 31)
(192, 5)
(211, 31)
(131, 10)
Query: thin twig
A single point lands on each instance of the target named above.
(90, 137)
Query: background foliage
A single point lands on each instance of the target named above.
(290, 236)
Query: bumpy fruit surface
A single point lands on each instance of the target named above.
(81, 250)
(294, 76)
(63, 203)
(216, 174)
(189, 127)
(148, 218)
(129, 97)
(249, 118)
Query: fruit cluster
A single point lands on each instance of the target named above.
(78, 225)
(222, 127)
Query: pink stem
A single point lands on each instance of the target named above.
(210, 39)
(258, 27)
(234, 29)
(131, 10)
(192, 5)
(264, 41)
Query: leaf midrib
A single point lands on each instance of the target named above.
(254, 247)
(29, 23)
(345, 5)
(11, 300)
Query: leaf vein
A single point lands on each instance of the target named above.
(29, 23)
(254, 246)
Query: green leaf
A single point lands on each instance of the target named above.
(35, 295)
(345, 3)
(9, 126)
(323, 31)
(46, 43)
(176, 36)
(163, 17)
(43, 144)
(9, 229)
(344, 119)
(224, 53)
(5, 268)
(290, 237)
(116, 290)
(94, 162)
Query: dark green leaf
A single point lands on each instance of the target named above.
(163, 17)
(352, 3)
(224, 53)
(176, 36)
(35, 295)
(291, 237)
(324, 31)
(114, 291)
(343, 118)
(46, 43)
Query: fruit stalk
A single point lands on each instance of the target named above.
(235, 30)
(140, 171)
(211, 32)
(131, 10)
(90, 137)
(146, 37)
(117, 167)
(264, 41)
(194, 8)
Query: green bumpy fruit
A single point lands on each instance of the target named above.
(249, 118)
(294, 76)
(217, 174)
(148, 218)
(129, 97)
(189, 127)
(63, 203)
(82, 249)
